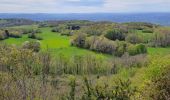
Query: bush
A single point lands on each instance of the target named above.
(161, 38)
(115, 34)
(137, 49)
(33, 45)
(3, 35)
(27, 31)
(121, 90)
(34, 36)
(96, 29)
(134, 39)
(131, 61)
(121, 48)
(159, 87)
(147, 30)
(78, 40)
(103, 45)
(15, 34)
(56, 29)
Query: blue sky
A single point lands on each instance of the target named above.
(83, 6)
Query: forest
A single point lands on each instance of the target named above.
(84, 60)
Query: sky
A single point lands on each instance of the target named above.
(83, 6)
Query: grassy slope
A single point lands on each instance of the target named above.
(61, 44)
(55, 43)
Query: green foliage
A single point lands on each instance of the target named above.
(116, 34)
(94, 30)
(159, 87)
(73, 87)
(79, 40)
(147, 30)
(140, 25)
(137, 49)
(3, 35)
(161, 38)
(32, 45)
(34, 36)
(134, 39)
(122, 90)
(81, 65)
(121, 48)
(101, 44)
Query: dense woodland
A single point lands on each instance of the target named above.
(127, 70)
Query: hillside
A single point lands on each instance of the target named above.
(85, 60)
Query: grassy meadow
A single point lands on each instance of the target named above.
(54, 42)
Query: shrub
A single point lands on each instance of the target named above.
(131, 61)
(78, 40)
(159, 87)
(161, 38)
(115, 34)
(56, 29)
(34, 36)
(147, 30)
(15, 34)
(122, 90)
(137, 49)
(3, 35)
(95, 29)
(26, 31)
(67, 32)
(100, 44)
(33, 45)
(134, 39)
(103, 45)
(121, 48)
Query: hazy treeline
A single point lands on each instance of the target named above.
(15, 22)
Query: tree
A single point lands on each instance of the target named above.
(134, 39)
(79, 40)
(115, 34)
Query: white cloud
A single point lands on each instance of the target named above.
(63, 6)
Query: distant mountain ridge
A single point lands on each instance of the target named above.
(156, 18)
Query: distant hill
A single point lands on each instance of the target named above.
(15, 22)
(157, 18)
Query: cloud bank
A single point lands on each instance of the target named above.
(83, 6)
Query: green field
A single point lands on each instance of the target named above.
(61, 44)
(54, 42)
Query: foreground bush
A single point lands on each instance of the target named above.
(121, 90)
(159, 87)
(30, 75)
